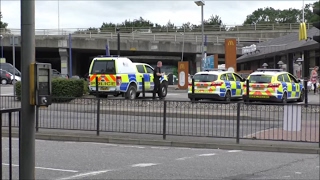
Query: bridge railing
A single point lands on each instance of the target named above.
(151, 30)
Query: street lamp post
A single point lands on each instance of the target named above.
(1, 37)
(182, 53)
(201, 3)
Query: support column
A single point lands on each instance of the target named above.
(290, 62)
(64, 60)
(306, 65)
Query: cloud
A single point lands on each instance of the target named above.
(91, 13)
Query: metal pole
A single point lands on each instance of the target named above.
(14, 62)
(70, 56)
(58, 17)
(202, 35)
(118, 42)
(1, 46)
(302, 10)
(182, 48)
(27, 136)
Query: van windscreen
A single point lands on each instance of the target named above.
(103, 67)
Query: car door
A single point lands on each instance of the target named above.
(296, 89)
(233, 85)
(142, 74)
(239, 84)
(149, 70)
(288, 83)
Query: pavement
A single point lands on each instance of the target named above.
(86, 160)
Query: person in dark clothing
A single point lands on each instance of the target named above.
(157, 74)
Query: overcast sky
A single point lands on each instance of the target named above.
(84, 14)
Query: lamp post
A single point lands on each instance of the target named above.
(118, 40)
(201, 3)
(182, 51)
(1, 37)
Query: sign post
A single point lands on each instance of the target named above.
(183, 72)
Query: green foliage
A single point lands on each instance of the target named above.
(63, 90)
(3, 25)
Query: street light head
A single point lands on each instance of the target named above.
(200, 3)
(299, 60)
(1, 36)
(265, 65)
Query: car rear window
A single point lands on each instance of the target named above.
(205, 77)
(103, 67)
(260, 78)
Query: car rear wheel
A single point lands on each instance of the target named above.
(163, 90)
(301, 98)
(131, 92)
(4, 81)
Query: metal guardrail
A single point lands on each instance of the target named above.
(12, 119)
(148, 30)
(236, 120)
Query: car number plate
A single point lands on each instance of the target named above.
(104, 88)
(258, 88)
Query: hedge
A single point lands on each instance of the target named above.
(62, 89)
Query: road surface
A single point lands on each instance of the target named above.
(79, 160)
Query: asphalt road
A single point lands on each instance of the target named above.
(7, 90)
(76, 160)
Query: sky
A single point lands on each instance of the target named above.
(75, 14)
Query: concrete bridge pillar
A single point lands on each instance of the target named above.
(64, 60)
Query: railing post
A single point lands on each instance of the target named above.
(10, 145)
(154, 37)
(37, 119)
(97, 87)
(175, 38)
(217, 39)
(143, 88)
(247, 89)
(1, 145)
(238, 123)
(164, 128)
(192, 89)
(98, 116)
(305, 84)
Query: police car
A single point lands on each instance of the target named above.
(274, 85)
(216, 84)
(120, 76)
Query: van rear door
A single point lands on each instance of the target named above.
(105, 71)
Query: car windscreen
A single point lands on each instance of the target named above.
(205, 77)
(260, 78)
(103, 67)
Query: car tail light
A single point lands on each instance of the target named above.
(216, 83)
(118, 80)
(244, 85)
(8, 75)
(273, 85)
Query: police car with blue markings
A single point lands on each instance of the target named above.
(274, 85)
(218, 84)
(114, 75)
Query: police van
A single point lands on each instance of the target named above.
(218, 84)
(120, 76)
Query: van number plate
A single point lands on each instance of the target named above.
(104, 83)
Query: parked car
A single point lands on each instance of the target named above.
(5, 77)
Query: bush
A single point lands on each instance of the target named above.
(62, 89)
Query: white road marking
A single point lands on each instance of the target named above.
(44, 168)
(183, 158)
(286, 176)
(140, 147)
(93, 173)
(105, 144)
(172, 94)
(212, 154)
(159, 148)
(144, 165)
(253, 134)
(298, 172)
(235, 151)
(7, 94)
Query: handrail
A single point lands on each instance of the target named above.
(150, 30)
(175, 37)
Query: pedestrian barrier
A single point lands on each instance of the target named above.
(11, 117)
(236, 120)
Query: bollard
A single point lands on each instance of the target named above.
(97, 87)
(305, 84)
(247, 89)
(143, 89)
(192, 89)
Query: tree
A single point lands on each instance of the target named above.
(309, 16)
(87, 31)
(3, 25)
(215, 22)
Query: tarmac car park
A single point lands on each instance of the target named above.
(274, 85)
(216, 84)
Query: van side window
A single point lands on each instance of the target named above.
(223, 77)
(140, 69)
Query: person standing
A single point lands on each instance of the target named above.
(314, 78)
(156, 79)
